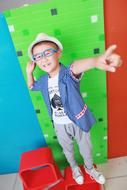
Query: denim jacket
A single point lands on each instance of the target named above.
(72, 101)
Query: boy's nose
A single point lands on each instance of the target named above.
(44, 58)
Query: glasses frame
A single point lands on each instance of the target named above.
(42, 54)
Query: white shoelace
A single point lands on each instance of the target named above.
(94, 174)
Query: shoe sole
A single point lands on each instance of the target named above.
(78, 182)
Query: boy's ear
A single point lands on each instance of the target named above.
(59, 53)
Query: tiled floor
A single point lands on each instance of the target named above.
(115, 172)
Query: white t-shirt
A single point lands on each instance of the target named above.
(59, 116)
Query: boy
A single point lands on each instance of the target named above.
(71, 117)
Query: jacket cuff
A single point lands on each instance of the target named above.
(77, 78)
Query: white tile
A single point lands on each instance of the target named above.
(26, 5)
(7, 182)
(116, 167)
(94, 18)
(84, 94)
(18, 184)
(116, 183)
(11, 28)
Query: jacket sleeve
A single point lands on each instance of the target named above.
(37, 85)
(76, 78)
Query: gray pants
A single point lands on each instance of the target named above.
(66, 134)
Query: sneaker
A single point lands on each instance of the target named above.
(77, 175)
(97, 176)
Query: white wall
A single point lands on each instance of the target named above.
(10, 4)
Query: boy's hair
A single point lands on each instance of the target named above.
(55, 46)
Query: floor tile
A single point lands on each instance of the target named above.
(116, 167)
(7, 182)
(18, 184)
(116, 183)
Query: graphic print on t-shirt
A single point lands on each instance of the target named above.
(56, 102)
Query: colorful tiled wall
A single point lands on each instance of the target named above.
(79, 25)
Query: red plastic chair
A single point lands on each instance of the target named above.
(38, 169)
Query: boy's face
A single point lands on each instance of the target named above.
(49, 62)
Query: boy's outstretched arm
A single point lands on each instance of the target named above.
(108, 61)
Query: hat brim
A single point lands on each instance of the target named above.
(49, 39)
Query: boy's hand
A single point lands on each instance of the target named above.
(30, 67)
(109, 61)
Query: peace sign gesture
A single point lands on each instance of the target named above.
(109, 61)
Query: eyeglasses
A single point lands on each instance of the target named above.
(47, 53)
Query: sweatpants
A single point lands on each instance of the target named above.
(66, 133)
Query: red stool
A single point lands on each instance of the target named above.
(88, 184)
(38, 169)
(70, 184)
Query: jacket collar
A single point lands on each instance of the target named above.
(61, 73)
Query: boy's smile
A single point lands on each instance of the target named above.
(46, 65)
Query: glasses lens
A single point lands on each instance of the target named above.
(48, 52)
(38, 57)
